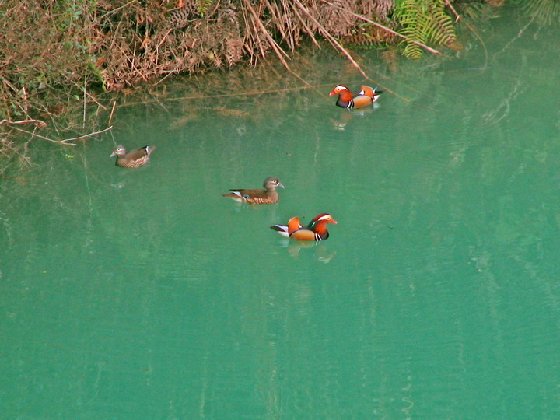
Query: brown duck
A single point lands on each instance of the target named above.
(134, 158)
(268, 195)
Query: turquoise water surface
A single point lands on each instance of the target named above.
(146, 294)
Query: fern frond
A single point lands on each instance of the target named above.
(546, 12)
(425, 21)
(412, 51)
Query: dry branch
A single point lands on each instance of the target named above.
(280, 53)
(37, 123)
(330, 38)
(457, 16)
(85, 136)
(65, 142)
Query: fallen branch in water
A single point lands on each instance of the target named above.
(65, 142)
(33, 134)
(37, 123)
(112, 112)
(85, 136)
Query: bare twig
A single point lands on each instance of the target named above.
(85, 136)
(457, 16)
(308, 30)
(279, 51)
(169, 73)
(96, 101)
(85, 105)
(37, 123)
(65, 142)
(34, 134)
(117, 9)
(112, 112)
(519, 36)
(330, 38)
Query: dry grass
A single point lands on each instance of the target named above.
(73, 48)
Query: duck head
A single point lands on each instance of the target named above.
(324, 218)
(341, 90)
(271, 183)
(119, 151)
(344, 96)
(319, 225)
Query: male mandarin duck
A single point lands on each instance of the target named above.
(267, 196)
(346, 99)
(315, 231)
(134, 158)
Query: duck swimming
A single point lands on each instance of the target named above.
(268, 195)
(315, 231)
(346, 99)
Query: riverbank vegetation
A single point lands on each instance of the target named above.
(61, 55)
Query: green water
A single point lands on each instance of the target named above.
(145, 294)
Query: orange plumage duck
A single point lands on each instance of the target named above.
(268, 195)
(346, 99)
(315, 231)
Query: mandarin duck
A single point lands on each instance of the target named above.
(268, 195)
(315, 231)
(134, 158)
(346, 99)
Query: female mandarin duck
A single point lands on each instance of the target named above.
(346, 99)
(315, 231)
(267, 196)
(134, 158)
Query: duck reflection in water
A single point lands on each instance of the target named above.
(360, 104)
(321, 250)
(298, 237)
